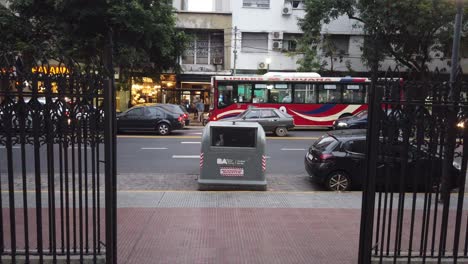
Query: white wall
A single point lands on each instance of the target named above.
(264, 20)
(218, 6)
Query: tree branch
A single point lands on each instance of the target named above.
(355, 18)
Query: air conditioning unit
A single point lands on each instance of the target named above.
(261, 65)
(277, 45)
(217, 61)
(277, 35)
(287, 10)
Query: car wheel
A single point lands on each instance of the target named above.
(338, 181)
(163, 129)
(281, 131)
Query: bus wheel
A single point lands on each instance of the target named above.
(281, 131)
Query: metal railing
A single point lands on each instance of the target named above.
(52, 163)
(416, 183)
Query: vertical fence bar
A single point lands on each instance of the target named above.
(98, 198)
(67, 199)
(80, 189)
(51, 172)
(37, 172)
(61, 188)
(22, 118)
(85, 144)
(2, 239)
(93, 180)
(110, 173)
(11, 191)
(73, 174)
(368, 196)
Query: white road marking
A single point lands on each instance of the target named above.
(185, 156)
(153, 148)
(199, 133)
(301, 149)
(190, 142)
(3, 147)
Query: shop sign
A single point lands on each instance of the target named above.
(50, 70)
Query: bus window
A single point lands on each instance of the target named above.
(305, 93)
(280, 93)
(224, 95)
(329, 93)
(260, 93)
(244, 93)
(354, 94)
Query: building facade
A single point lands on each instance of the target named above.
(265, 34)
(207, 53)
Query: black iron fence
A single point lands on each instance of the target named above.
(413, 205)
(53, 164)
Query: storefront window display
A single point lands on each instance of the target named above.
(148, 90)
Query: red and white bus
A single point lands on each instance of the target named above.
(312, 100)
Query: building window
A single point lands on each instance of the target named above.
(290, 41)
(256, 3)
(336, 44)
(217, 48)
(298, 4)
(204, 49)
(255, 42)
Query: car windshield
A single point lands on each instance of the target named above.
(326, 143)
(172, 108)
(361, 115)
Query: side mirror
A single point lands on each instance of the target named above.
(243, 118)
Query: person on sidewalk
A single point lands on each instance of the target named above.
(200, 108)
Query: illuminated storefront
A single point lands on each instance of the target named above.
(149, 90)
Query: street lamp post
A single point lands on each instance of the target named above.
(268, 61)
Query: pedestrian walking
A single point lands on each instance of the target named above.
(200, 108)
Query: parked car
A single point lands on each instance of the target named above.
(337, 161)
(359, 120)
(178, 109)
(271, 119)
(150, 118)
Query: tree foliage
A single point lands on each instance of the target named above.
(412, 32)
(143, 31)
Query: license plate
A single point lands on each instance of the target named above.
(231, 172)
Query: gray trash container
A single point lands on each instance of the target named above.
(232, 156)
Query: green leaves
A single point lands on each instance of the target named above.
(143, 31)
(408, 31)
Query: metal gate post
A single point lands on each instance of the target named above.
(110, 172)
(368, 192)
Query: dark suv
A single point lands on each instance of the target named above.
(150, 118)
(337, 160)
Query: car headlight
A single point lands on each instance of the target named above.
(461, 124)
(342, 124)
(456, 165)
(309, 156)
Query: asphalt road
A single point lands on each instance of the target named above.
(177, 153)
(180, 152)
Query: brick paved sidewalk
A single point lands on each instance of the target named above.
(238, 235)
